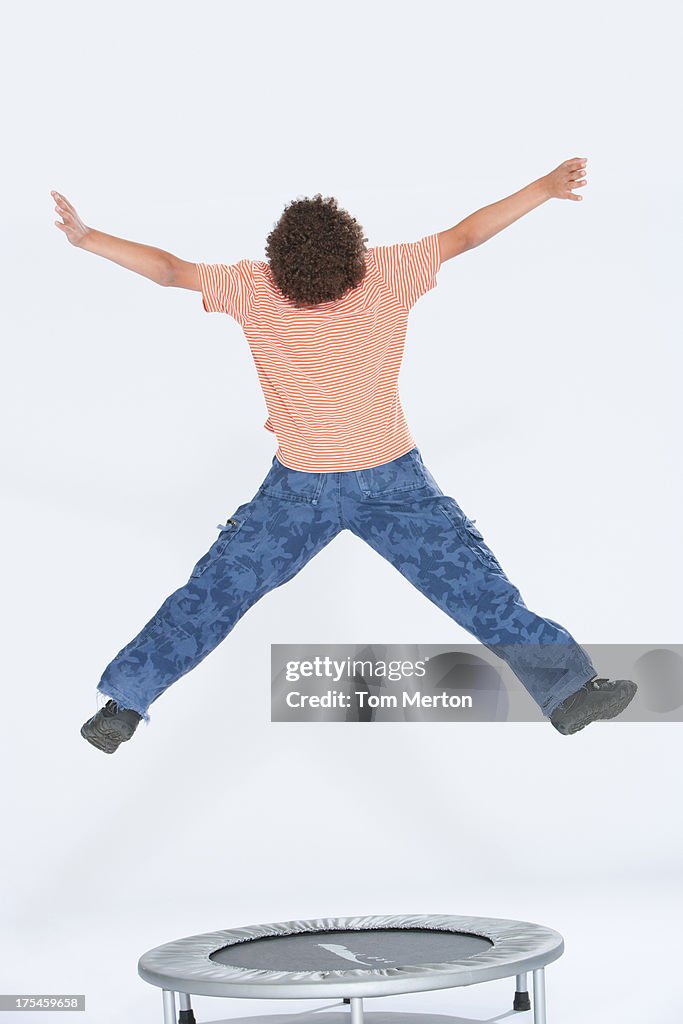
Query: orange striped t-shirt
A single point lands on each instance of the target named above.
(329, 373)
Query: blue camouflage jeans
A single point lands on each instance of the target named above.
(400, 511)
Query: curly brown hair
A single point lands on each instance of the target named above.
(316, 251)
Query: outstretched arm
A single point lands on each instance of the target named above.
(158, 265)
(484, 223)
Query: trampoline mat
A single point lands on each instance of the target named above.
(373, 948)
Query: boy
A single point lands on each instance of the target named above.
(325, 319)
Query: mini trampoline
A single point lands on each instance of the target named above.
(352, 958)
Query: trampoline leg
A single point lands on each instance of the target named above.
(356, 1011)
(169, 1006)
(186, 1015)
(521, 1001)
(539, 997)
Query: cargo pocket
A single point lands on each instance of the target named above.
(471, 536)
(151, 631)
(228, 531)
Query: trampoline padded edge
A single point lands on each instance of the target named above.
(185, 965)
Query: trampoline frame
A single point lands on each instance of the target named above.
(184, 967)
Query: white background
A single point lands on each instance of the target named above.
(540, 381)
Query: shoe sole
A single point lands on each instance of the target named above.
(608, 711)
(107, 740)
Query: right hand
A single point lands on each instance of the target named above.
(71, 224)
(569, 175)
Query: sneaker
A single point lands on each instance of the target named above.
(597, 700)
(110, 727)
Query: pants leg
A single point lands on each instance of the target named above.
(261, 546)
(400, 511)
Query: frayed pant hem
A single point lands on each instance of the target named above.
(574, 684)
(124, 703)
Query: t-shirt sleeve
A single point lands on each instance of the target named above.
(227, 288)
(410, 268)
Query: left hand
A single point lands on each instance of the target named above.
(569, 175)
(71, 224)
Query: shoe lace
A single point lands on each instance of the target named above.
(599, 683)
